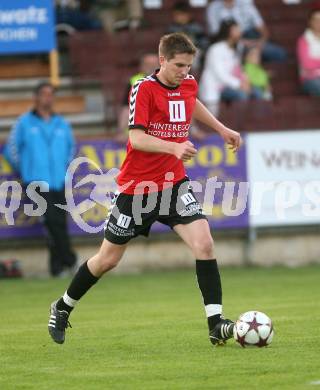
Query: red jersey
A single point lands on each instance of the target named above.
(163, 112)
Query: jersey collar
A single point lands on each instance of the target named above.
(154, 76)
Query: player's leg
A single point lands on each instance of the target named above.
(197, 236)
(88, 274)
(120, 228)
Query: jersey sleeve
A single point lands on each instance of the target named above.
(195, 85)
(139, 106)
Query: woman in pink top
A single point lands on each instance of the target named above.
(308, 52)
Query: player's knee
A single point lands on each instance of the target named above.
(107, 264)
(203, 248)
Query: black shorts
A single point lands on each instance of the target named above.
(132, 215)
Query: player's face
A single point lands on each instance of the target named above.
(173, 71)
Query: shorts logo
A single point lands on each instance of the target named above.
(124, 221)
(177, 111)
(187, 199)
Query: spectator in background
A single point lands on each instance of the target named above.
(77, 14)
(257, 75)
(148, 63)
(222, 77)
(120, 14)
(308, 52)
(253, 29)
(40, 147)
(182, 21)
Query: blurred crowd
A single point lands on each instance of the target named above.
(234, 45)
(99, 14)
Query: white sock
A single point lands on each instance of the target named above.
(69, 301)
(213, 309)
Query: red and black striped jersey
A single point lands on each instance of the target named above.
(163, 112)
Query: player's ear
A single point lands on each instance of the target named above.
(161, 60)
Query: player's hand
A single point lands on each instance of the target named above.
(232, 138)
(185, 151)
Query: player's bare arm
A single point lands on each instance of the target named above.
(231, 137)
(147, 143)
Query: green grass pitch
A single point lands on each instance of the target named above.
(149, 332)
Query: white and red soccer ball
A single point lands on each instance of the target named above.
(253, 328)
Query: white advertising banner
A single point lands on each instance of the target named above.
(198, 3)
(284, 178)
(152, 4)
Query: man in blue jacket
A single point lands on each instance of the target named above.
(40, 148)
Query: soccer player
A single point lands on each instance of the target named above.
(161, 109)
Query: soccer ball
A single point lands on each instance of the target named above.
(253, 328)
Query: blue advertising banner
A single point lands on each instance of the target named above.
(218, 179)
(27, 26)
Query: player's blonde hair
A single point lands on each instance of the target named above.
(176, 43)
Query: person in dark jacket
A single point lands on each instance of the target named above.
(40, 147)
(183, 22)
